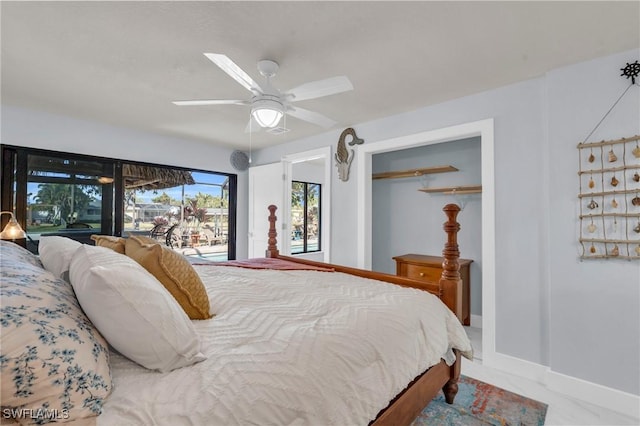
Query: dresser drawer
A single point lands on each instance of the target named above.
(420, 272)
(429, 268)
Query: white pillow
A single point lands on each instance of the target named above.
(56, 253)
(133, 310)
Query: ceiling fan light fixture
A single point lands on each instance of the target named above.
(267, 112)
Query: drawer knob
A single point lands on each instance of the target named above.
(422, 274)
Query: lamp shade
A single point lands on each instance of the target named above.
(13, 230)
(267, 112)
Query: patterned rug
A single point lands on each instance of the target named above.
(478, 403)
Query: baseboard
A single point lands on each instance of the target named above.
(594, 393)
(516, 366)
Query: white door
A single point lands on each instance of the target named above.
(266, 187)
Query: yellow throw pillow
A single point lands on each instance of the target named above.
(145, 240)
(114, 243)
(175, 273)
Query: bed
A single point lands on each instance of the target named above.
(294, 342)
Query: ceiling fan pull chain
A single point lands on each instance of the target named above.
(250, 135)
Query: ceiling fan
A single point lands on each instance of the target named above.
(268, 104)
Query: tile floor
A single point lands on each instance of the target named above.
(563, 409)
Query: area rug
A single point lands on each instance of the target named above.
(478, 403)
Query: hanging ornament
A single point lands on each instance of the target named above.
(614, 203)
(636, 177)
(614, 181)
(612, 156)
(592, 157)
(592, 227)
(592, 249)
(638, 250)
(636, 151)
(592, 205)
(637, 228)
(591, 183)
(615, 251)
(635, 200)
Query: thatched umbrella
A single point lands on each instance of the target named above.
(150, 178)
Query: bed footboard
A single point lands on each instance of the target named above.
(410, 402)
(448, 289)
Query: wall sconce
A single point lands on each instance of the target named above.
(13, 230)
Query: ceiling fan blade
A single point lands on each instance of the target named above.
(211, 102)
(230, 67)
(311, 117)
(317, 89)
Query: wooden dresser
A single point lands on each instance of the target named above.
(429, 268)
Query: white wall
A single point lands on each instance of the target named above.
(578, 318)
(405, 220)
(308, 171)
(594, 304)
(36, 129)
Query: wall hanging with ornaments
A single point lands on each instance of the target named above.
(609, 172)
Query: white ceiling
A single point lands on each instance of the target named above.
(123, 63)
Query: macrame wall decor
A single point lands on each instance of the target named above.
(609, 173)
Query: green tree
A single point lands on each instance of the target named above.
(297, 194)
(164, 198)
(65, 197)
(206, 201)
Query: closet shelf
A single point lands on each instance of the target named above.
(454, 190)
(414, 172)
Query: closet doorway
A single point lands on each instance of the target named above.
(482, 132)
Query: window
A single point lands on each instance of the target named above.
(68, 195)
(188, 211)
(55, 193)
(305, 217)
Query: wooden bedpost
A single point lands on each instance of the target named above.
(450, 389)
(272, 247)
(450, 282)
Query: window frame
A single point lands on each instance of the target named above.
(305, 222)
(112, 220)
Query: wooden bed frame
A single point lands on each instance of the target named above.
(411, 401)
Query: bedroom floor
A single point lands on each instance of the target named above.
(563, 410)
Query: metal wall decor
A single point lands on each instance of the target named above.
(343, 156)
(609, 173)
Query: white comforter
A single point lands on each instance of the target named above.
(292, 348)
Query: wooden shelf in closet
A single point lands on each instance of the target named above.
(414, 172)
(453, 190)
